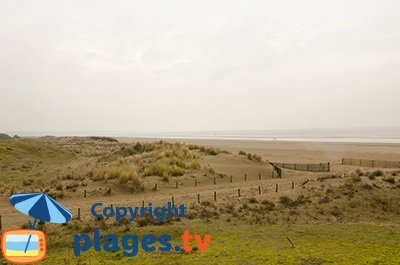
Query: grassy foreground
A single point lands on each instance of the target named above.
(250, 244)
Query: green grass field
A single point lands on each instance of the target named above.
(251, 244)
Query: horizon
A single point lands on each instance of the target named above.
(354, 133)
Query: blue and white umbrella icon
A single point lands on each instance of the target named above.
(40, 206)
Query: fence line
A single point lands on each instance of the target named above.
(178, 183)
(259, 189)
(321, 167)
(271, 188)
(370, 163)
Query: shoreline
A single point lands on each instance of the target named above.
(344, 140)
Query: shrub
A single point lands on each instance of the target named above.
(257, 157)
(193, 147)
(164, 169)
(288, 202)
(254, 157)
(209, 170)
(249, 157)
(123, 179)
(355, 175)
(377, 173)
(175, 161)
(389, 179)
(135, 184)
(253, 200)
(195, 165)
(121, 170)
(330, 176)
(242, 153)
(268, 205)
(177, 171)
(356, 178)
(212, 151)
(358, 172)
(115, 172)
(137, 148)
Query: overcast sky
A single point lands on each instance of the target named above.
(161, 66)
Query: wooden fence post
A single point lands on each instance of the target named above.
(215, 196)
(259, 189)
(176, 184)
(276, 187)
(292, 184)
(84, 193)
(238, 192)
(198, 197)
(79, 213)
(231, 178)
(155, 186)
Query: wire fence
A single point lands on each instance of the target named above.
(214, 179)
(218, 195)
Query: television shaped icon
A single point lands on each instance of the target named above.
(23, 246)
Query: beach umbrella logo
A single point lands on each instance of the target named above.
(26, 246)
(41, 206)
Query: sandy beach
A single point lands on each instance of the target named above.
(296, 152)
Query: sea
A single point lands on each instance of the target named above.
(356, 135)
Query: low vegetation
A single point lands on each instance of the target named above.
(250, 156)
(50, 164)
